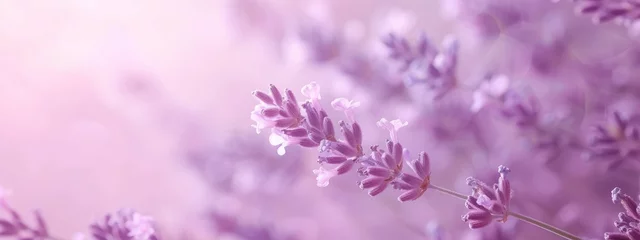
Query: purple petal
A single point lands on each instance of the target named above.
(410, 195)
(370, 182)
(263, 97)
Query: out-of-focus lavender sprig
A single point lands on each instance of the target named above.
(17, 228)
(615, 141)
(125, 224)
(225, 166)
(423, 63)
(521, 108)
(623, 12)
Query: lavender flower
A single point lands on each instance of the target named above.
(414, 186)
(384, 167)
(628, 220)
(381, 168)
(487, 204)
(283, 116)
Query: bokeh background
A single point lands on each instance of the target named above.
(145, 104)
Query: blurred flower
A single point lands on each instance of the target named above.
(125, 224)
(616, 141)
(423, 63)
(16, 227)
(490, 90)
(140, 227)
(622, 12)
(521, 109)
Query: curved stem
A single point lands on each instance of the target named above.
(545, 226)
(450, 192)
(524, 218)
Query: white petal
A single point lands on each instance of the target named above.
(397, 124)
(322, 184)
(383, 123)
(275, 139)
(340, 104)
(311, 90)
(282, 150)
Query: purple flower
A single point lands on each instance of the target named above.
(628, 221)
(275, 111)
(423, 63)
(490, 90)
(412, 185)
(283, 115)
(488, 204)
(381, 168)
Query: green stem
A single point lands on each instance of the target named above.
(557, 231)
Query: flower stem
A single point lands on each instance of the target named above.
(524, 218)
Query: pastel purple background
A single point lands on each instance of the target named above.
(145, 104)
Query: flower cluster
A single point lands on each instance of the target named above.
(618, 140)
(487, 204)
(423, 63)
(380, 168)
(628, 221)
(16, 227)
(125, 224)
(625, 12)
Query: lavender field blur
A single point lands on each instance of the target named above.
(376, 119)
